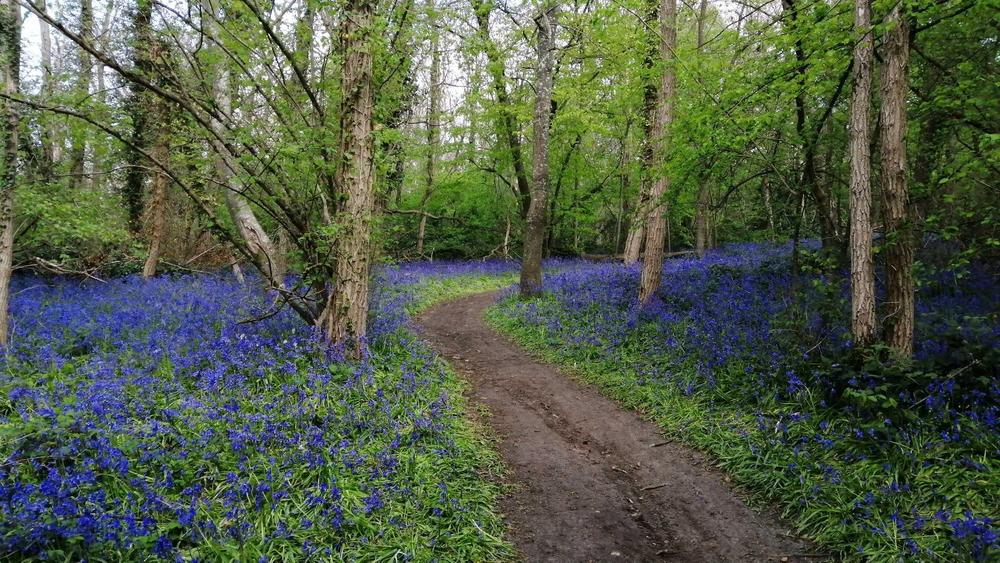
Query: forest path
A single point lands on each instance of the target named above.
(594, 482)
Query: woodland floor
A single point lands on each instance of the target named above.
(593, 482)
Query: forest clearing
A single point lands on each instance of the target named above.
(476, 280)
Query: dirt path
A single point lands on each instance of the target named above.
(591, 485)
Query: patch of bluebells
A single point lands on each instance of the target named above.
(737, 331)
(147, 419)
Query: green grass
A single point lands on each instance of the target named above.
(431, 291)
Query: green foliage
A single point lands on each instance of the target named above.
(82, 228)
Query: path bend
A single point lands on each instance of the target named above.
(589, 483)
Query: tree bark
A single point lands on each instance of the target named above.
(138, 109)
(50, 149)
(157, 209)
(433, 128)
(534, 232)
(863, 325)
(633, 244)
(247, 225)
(899, 318)
(78, 152)
(345, 319)
(652, 263)
(10, 58)
(636, 237)
(701, 234)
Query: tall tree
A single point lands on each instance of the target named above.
(534, 231)
(345, 319)
(652, 260)
(78, 151)
(636, 237)
(701, 234)
(863, 325)
(899, 300)
(247, 224)
(138, 107)
(10, 67)
(50, 148)
(433, 125)
(156, 212)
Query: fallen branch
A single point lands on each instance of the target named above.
(63, 270)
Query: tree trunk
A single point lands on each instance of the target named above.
(769, 207)
(633, 244)
(157, 209)
(433, 128)
(138, 108)
(652, 263)
(701, 235)
(78, 152)
(345, 319)
(247, 225)
(534, 232)
(863, 325)
(810, 182)
(10, 58)
(636, 238)
(50, 148)
(899, 319)
(623, 186)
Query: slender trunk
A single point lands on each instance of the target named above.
(138, 109)
(50, 149)
(345, 319)
(534, 232)
(157, 210)
(701, 235)
(636, 238)
(78, 152)
(652, 263)
(506, 240)
(433, 130)
(552, 223)
(899, 319)
(810, 182)
(247, 225)
(623, 187)
(10, 58)
(863, 325)
(768, 207)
